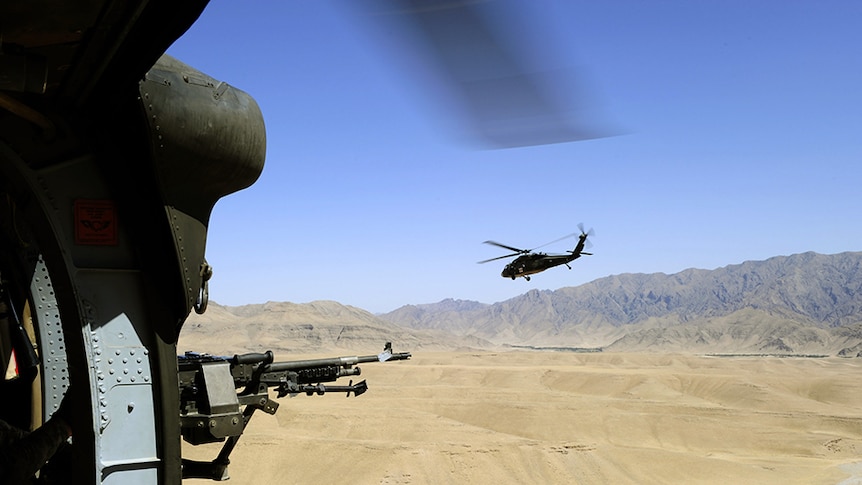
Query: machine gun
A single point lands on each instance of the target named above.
(211, 409)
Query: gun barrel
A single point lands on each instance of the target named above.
(400, 356)
(312, 363)
(339, 361)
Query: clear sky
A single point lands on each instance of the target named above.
(737, 135)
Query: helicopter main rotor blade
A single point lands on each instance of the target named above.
(501, 73)
(555, 240)
(498, 257)
(510, 248)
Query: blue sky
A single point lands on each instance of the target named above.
(737, 135)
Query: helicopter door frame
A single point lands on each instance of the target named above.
(124, 372)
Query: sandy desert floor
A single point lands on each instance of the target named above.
(564, 418)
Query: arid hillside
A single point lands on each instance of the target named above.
(805, 304)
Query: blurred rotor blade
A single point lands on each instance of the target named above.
(510, 248)
(498, 257)
(486, 59)
(555, 240)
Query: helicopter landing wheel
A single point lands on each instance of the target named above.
(527, 278)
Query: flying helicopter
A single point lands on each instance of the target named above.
(528, 262)
(113, 155)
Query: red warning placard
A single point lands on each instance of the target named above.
(95, 222)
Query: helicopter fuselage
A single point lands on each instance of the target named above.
(529, 264)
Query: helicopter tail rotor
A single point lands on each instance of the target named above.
(586, 235)
(584, 242)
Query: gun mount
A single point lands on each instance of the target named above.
(218, 394)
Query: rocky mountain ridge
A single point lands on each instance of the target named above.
(806, 303)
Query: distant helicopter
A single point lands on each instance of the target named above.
(529, 263)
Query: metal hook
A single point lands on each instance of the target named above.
(204, 295)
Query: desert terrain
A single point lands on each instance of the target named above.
(561, 418)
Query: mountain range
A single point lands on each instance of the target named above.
(803, 304)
